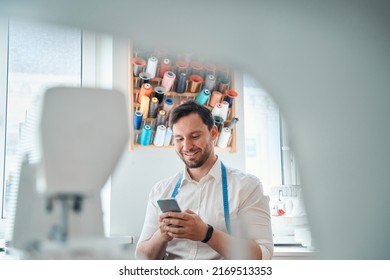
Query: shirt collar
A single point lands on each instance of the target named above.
(215, 171)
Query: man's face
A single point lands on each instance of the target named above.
(193, 140)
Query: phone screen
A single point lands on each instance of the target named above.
(168, 205)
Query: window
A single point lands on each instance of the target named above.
(39, 56)
(269, 157)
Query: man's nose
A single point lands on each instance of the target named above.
(187, 144)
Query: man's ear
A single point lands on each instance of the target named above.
(214, 132)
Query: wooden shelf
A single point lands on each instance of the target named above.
(177, 98)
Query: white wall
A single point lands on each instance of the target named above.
(141, 168)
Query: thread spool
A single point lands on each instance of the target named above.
(216, 97)
(210, 82)
(168, 105)
(161, 53)
(144, 107)
(137, 120)
(168, 137)
(153, 107)
(230, 96)
(210, 69)
(232, 123)
(196, 68)
(181, 67)
(222, 73)
(225, 110)
(151, 67)
(141, 52)
(159, 137)
(203, 96)
(160, 92)
(217, 109)
(181, 83)
(146, 90)
(161, 117)
(168, 80)
(224, 84)
(224, 137)
(138, 65)
(218, 121)
(146, 135)
(195, 83)
(144, 78)
(165, 66)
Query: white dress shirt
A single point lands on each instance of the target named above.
(248, 208)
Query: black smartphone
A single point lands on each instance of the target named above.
(168, 205)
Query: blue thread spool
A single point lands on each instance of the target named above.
(181, 83)
(137, 120)
(146, 135)
(203, 96)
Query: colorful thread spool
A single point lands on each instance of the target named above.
(210, 82)
(230, 95)
(218, 121)
(203, 96)
(138, 65)
(210, 69)
(161, 117)
(160, 93)
(195, 83)
(168, 80)
(146, 135)
(151, 67)
(216, 97)
(168, 105)
(224, 137)
(225, 110)
(164, 67)
(137, 120)
(146, 90)
(222, 73)
(159, 137)
(224, 85)
(168, 137)
(181, 83)
(181, 67)
(217, 109)
(232, 124)
(144, 78)
(196, 68)
(144, 107)
(153, 107)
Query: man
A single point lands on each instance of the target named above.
(221, 202)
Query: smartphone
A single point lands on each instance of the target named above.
(168, 205)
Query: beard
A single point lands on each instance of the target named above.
(200, 161)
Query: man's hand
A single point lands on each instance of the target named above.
(164, 233)
(186, 225)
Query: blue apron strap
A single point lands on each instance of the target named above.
(224, 195)
(225, 198)
(176, 189)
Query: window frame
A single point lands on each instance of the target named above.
(96, 71)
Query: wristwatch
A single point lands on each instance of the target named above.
(209, 233)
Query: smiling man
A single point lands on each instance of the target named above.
(225, 209)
